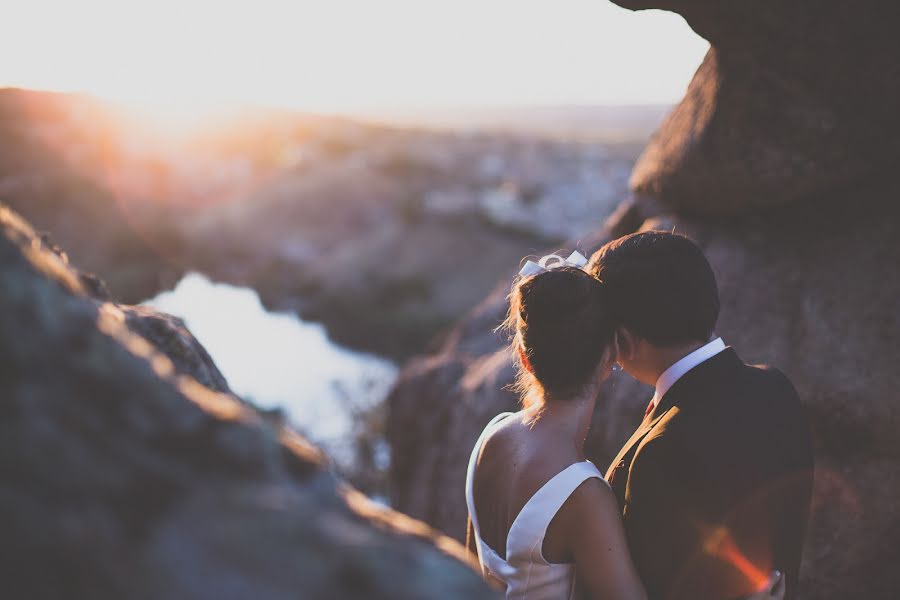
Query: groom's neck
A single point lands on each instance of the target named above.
(659, 358)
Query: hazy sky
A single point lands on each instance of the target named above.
(348, 54)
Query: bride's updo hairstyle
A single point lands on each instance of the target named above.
(560, 325)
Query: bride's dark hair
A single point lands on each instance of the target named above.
(560, 325)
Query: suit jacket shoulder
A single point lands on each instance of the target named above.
(714, 464)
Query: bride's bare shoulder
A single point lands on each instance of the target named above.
(593, 500)
(592, 507)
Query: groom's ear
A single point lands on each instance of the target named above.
(626, 344)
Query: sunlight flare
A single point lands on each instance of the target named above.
(181, 60)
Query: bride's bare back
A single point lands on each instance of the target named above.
(516, 461)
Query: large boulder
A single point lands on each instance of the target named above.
(122, 476)
(775, 163)
(794, 99)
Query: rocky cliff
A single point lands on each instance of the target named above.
(127, 470)
(776, 162)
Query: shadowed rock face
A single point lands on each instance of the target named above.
(121, 476)
(794, 99)
(775, 162)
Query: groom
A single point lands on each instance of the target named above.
(715, 484)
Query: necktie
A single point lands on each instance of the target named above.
(650, 408)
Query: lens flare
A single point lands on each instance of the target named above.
(720, 544)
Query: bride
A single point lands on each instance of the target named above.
(543, 521)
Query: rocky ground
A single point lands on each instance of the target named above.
(777, 163)
(123, 476)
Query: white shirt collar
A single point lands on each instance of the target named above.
(682, 366)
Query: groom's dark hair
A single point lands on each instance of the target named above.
(660, 286)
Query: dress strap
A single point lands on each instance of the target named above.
(470, 473)
(526, 535)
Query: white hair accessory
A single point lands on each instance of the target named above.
(551, 261)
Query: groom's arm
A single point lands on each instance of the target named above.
(659, 536)
(679, 519)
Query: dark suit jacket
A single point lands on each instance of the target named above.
(715, 485)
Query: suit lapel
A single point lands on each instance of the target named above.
(681, 390)
(617, 474)
(639, 433)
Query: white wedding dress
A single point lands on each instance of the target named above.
(527, 575)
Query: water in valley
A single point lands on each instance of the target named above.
(277, 360)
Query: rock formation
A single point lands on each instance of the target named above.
(775, 163)
(794, 101)
(123, 476)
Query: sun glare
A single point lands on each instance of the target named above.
(183, 59)
(173, 115)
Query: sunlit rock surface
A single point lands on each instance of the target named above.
(121, 476)
(775, 163)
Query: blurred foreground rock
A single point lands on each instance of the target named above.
(122, 477)
(775, 163)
